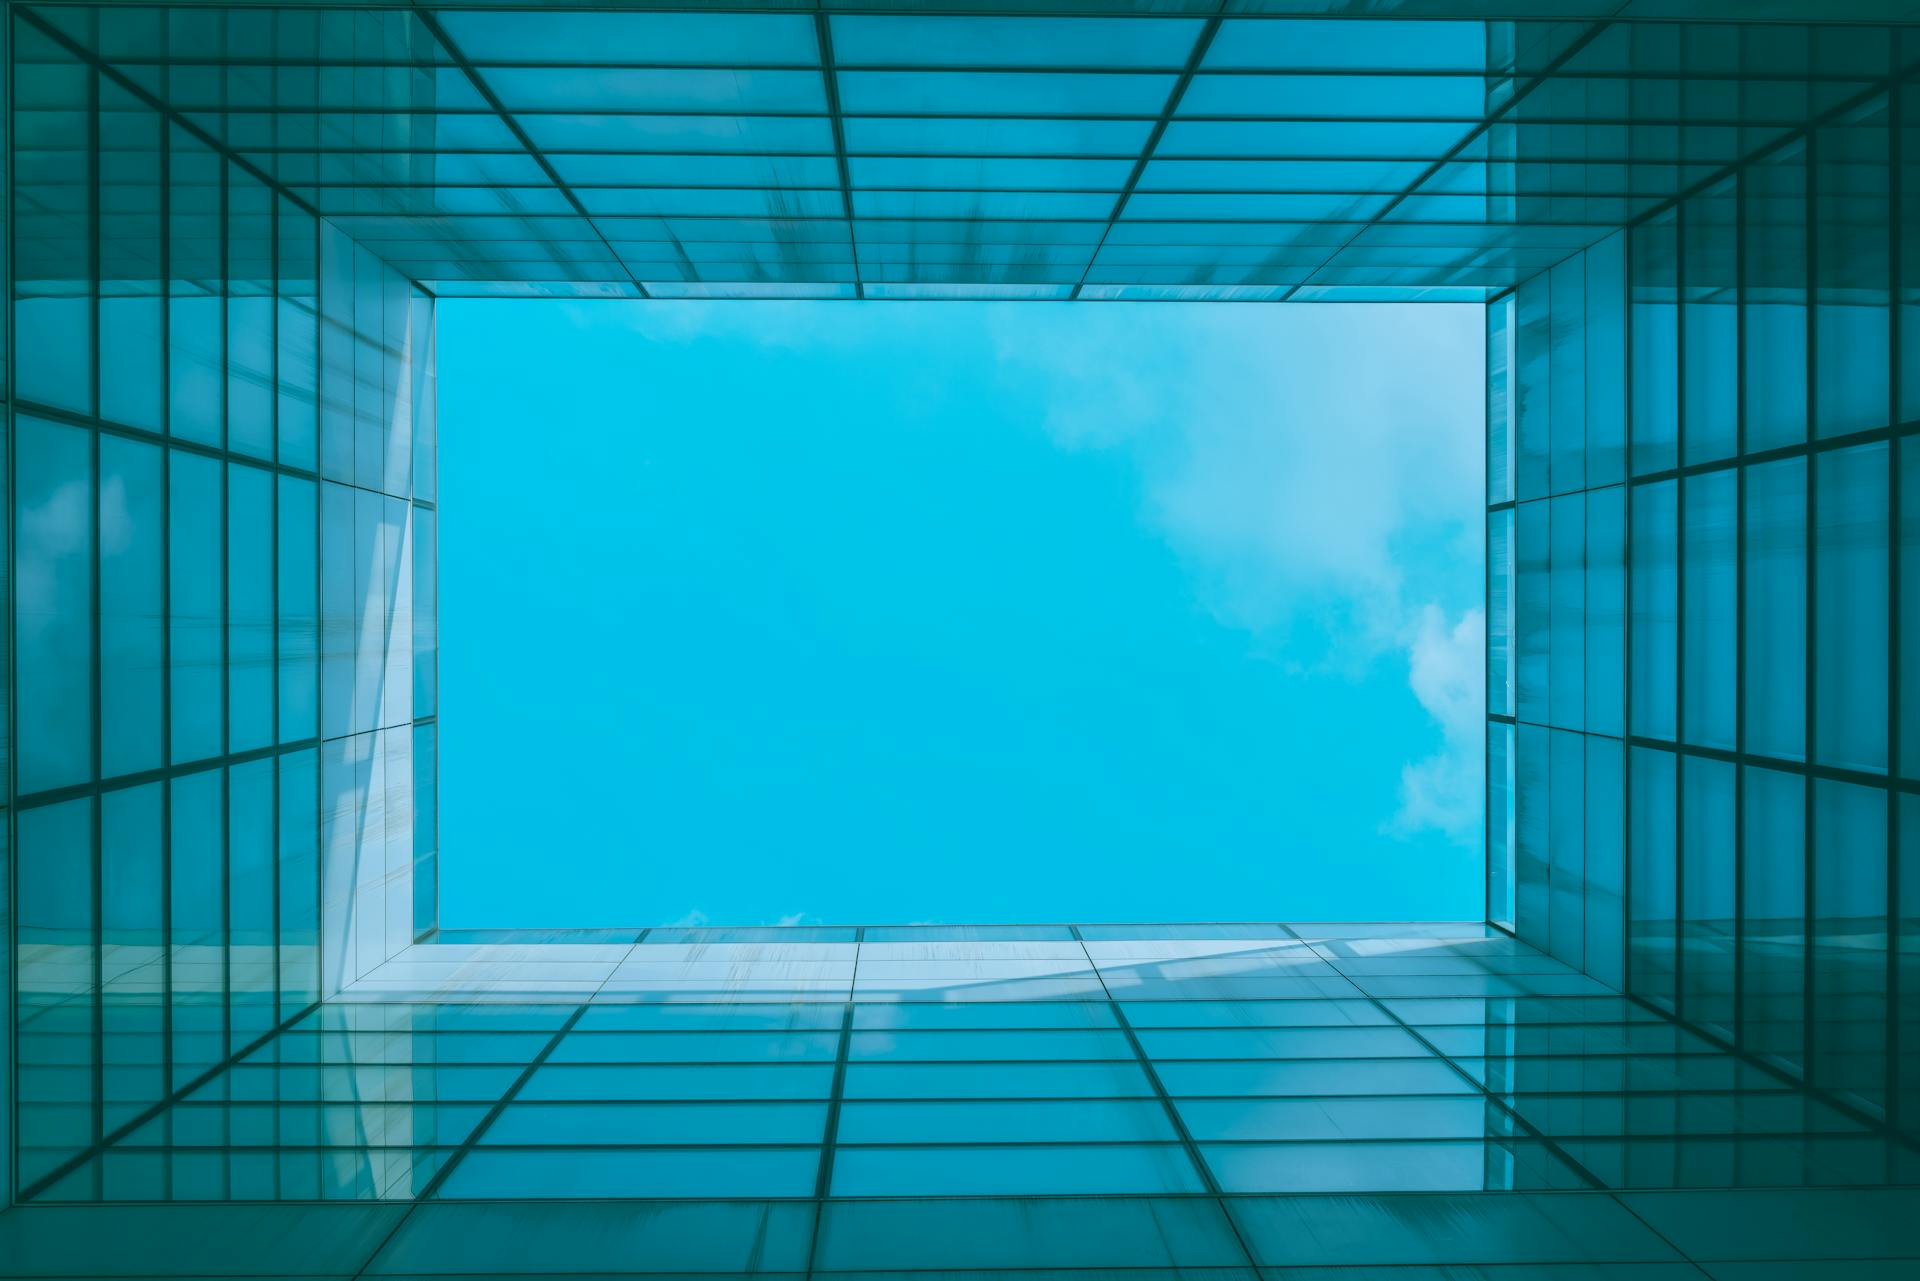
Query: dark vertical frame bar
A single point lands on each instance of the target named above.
(9, 1187)
(830, 83)
(168, 1050)
(1172, 1112)
(1486, 606)
(1808, 1038)
(1195, 56)
(1681, 305)
(225, 217)
(830, 1132)
(479, 1131)
(1626, 615)
(431, 24)
(97, 1085)
(1896, 447)
(1738, 959)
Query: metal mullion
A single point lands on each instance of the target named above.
(1895, 448)
(479, 1131)
(432, 25)
(1740, 216)
(1681, 304)
(823, 1177)
(319, 606)
(1478, 129)
(1531, 1131)
(97, 905)
(1376, 72)
(830, 81)
(164, 392)
(1211, 1185)
(795, 113)
(1730, 169)
(162, 773)
(1627, 256)
(474, 1136)
(1201, 43)
(214, 452)
(168, 113)
(273, 627)
(162, 1109)
(830, 1131)
(1807, 906)
(10, 865)
(1486, 596)
(226, 621)
(1833, 773)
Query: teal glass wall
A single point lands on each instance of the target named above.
(1701, 542)
(221, 454)
(227, 228)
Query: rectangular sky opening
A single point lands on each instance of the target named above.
(805, 612)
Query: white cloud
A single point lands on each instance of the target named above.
(51, 532)
(1317, 468)
(1448, 674)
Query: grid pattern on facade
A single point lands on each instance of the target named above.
(799, 1064)
(922, 155)
(221, 449)
(1704, 487)
(227, 226)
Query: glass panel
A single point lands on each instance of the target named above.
(1500, 391)
(1773, 951)
(1013, 1171)
(1774, 197)
(132, 605)
(1707, 893)
(1567, 608)
(1605, 374)
(1500, 825)
(1849, 998)
(1654, 575)
(1532, 399)
(1775, 628)
(1605, 609)
(197, 935)
(298, 852)
(250, 616)
(53, 289)
(132, 944)
(55, 1046)
(196, 591)
(250, 308)
(1850, 607)
(1532, 835)
(1533, 603)
(1604, 892)
(1711, 324)
(1709, 627)
(1852, 272)
(132, 349)
(196, 329)
(1652, 256)
(53, 602)
(1652, 875)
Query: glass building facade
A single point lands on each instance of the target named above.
(1682, 1042)
(1704, 697)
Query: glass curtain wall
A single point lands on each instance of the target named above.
(220, 446)
(1703, 773)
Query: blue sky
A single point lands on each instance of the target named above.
(958, 612)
